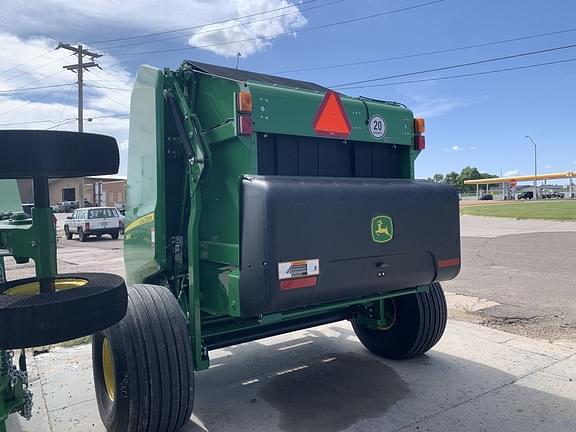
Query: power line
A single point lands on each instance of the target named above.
(319, 27)
(195, 26)
(68, 94)
(26, 62)
(463, 75)
(25, 89)
(109, 88)
(30, 122)
(64, 120)
(427, 53)
(41, 98)
(37, 69)
(61, 124)
(489, 60)
(242, 24)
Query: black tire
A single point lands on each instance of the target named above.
(42, 153)
(67, 233)
(419, 322)
(115, 235)
(43, 319)
(81, 236)
(153, 373)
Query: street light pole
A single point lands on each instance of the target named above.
(535, 168)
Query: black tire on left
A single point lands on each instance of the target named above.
(67, 233)
(81, 236)
(29, 320)
(153, 373)
(419, 322)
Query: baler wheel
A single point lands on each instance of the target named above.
(82, 304)
(419, 322)
(143, 370)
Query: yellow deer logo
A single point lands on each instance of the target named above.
(382, 229)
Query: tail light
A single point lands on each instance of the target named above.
(121, 224)
(419, 142)
(244, 102)
(419, 128)
(245, 124)
(87, 226)
(244, 108)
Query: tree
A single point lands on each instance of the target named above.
(438, 178)
(453, 179)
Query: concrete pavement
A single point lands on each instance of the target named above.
(489, 227)
(323, 380)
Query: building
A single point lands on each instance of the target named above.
(108, 190)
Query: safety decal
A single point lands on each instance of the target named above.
(377, 126)
(298, 269)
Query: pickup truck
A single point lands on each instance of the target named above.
(94, 221)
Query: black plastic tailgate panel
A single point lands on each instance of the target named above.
(286, 219)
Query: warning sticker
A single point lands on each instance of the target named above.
(377, 126)
(297, 269)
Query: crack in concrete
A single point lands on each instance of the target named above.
(43, 394)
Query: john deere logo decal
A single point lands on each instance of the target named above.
(382, 229)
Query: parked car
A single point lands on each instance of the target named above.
(552, 194)
(95, 221)
(27, 208)
(486, 197)
(526, 195)
(67, 206)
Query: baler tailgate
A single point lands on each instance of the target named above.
(366, 236)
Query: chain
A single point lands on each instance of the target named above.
(16, 376)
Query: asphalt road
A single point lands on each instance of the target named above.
(531, 274)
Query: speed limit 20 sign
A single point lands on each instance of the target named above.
(377, 126)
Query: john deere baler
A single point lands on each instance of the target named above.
(258, 205)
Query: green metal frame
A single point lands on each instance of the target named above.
(183, 204)
(23, 238)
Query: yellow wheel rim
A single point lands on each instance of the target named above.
(108, 369)
(33, 288)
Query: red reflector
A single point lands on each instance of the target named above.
(453, 262)
(331, 118)
(245, 124)
(303, 282)
(419, 142)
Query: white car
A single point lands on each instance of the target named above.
(95, 221)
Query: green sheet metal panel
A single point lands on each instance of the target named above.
(145, 169)
(9, 196)
(282, 110)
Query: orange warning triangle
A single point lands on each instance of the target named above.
(331, 118)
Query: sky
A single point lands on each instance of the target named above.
(480, 120)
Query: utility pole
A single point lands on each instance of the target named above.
(535, 168)
(79, 68)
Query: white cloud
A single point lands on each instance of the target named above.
(473, 148)
(456, 148)
(548, 166)
(434, 107)
(511, 173)
(56, 107)
(119, 17)
(259, 29)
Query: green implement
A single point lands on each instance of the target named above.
(259, 205)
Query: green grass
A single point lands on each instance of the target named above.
(557, 210)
